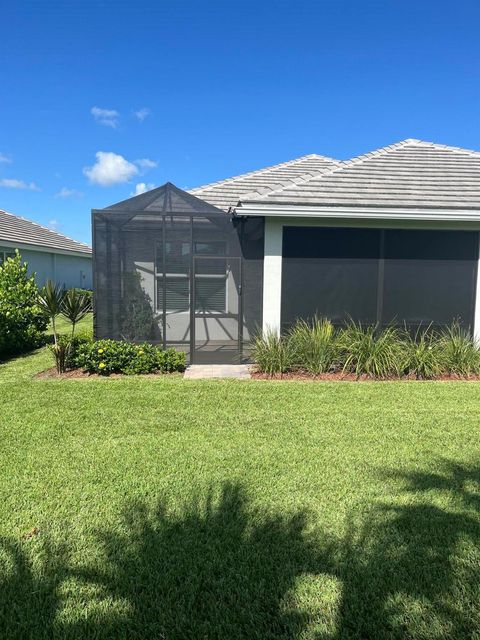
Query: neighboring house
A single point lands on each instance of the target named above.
(389, 237)
(50, 255)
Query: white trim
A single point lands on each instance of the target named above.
(360, 212)
(272, 275)
(44, 249)
(476, 315)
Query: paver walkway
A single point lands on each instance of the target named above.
(196, 371)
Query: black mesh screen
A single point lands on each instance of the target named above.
(331, 272)
(179, 272)
(429, 277)
(412, 277)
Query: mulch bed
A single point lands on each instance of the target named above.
(51, 373)
(339, 376)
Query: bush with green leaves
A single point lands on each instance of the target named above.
(22, 321)
(118, 356)
(272, 353)
(314, 345)
(422, 355)
(459, 351)
(366, 350)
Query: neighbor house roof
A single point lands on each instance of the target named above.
(17, 230)
(411, 173)
(227, 193)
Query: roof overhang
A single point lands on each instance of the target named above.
(27, 246)
(356, 212)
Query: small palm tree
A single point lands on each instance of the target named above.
(50, 299)
(75, 306)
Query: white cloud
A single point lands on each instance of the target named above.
(142, 113)
(11, 183)
(145, 163)
(110, 168)
(142, 187)
(68, 193)
(4, 158)
(54, 225)
(107, 117)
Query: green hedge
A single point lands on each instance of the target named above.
(118, 356)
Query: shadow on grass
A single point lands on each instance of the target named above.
(219, 569)
(412, 570)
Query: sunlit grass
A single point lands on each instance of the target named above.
(168, 508)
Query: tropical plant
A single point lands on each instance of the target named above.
(273, 354)
(367, 350)
(22, 321)
(75, 306)
(422, 354)
(460, 352)
(314, 344)
(50, 300)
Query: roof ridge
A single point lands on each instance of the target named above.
(56, 233)
(248, 174)
(382, 151)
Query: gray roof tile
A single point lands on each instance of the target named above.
(411, 173)
(16, 229)
(227, 193)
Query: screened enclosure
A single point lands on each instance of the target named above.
(379, 276)
(174, 270)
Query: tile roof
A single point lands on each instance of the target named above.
(16, 229)
(227, 193)
(411, 173)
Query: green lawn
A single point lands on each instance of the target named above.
(172, 509)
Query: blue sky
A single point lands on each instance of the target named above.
(99, 97)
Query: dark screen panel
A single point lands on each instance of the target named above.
(429, 277)
(331, 272)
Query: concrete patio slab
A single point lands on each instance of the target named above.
(198, 371)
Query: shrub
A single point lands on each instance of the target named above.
(75, 342)
(314, 344)
(422, 354)
(22, 321)
(272, 353)
(460, 353)
(368, 351)
(118, 356)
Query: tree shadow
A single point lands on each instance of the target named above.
(216, 569)
(412, 570)
(29, 589)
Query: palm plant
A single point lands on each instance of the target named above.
(75, 306)
(50, 300)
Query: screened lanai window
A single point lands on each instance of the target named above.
(379, 276)
(429, 277)
(330, 272)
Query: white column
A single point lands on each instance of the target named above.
(476, 318)
(272, 275)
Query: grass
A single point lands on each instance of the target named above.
(166, 508)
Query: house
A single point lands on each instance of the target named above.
(389, 237)
(50, 255)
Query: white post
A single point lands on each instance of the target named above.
(476, 317)
(272, 275)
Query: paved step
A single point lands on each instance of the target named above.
(197, 371)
